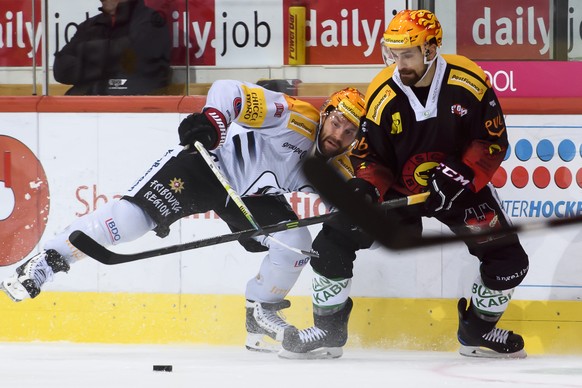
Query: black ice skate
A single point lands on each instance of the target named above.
(324, 339)
(265, 325)
(30, 276)
(480, 338)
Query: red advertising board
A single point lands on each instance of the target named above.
(18, 33)
(195, 27)
(507, 30)
(342, 32)
(17, 29)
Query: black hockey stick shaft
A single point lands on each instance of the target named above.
(245, 211)
(331, 187)
(103, 255)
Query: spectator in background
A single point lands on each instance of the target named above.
(125, 50)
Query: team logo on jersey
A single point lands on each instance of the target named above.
(495, 126)
(279, 109)
(417, 170)
(482, 218)
(236, 105)
(396, 124)
(458, 110)
(177, 185)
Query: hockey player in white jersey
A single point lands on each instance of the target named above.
(258, 139)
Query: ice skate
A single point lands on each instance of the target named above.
(30, 276)
(324, 340)
(480, 338)
(265, 325)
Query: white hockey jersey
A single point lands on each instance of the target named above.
(268, 136)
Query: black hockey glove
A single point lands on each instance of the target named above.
(445, 185)
(208, 127)
(344, 225)
(364, 188)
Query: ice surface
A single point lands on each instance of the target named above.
(64, 365)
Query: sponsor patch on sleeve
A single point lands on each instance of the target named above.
(254, 108)
(376, 107)
(302, 125)
(467, 81)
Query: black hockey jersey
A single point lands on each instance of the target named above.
(404, 138)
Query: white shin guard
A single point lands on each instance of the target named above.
(281, 268)
(487, 301)
(116, 222)
(272, 283)
(328, 296)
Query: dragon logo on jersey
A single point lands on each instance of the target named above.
(417, 170)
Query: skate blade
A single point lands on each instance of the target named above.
(13, 292)
(317, 354)
(261, 343)
(481, 352)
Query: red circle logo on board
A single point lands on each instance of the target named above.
(24, 200)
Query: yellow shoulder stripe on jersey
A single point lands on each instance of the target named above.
(303, 118)
(303, 108)
(254, 109)
(343, 165)
(466, 63)
(302, 125)
(384, 75)
(378, 103)
(467, 81)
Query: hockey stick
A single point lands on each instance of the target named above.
(331, 187)
(98, 252)
(241, 205)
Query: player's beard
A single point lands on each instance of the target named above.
(410, 77)
(330, 150)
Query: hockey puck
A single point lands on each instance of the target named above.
(162, 368)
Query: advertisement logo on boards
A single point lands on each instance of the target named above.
(515, 29)
(24, 200)
(543, 176)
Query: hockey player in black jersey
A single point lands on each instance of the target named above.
(433, 123)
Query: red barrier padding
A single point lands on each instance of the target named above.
(187, 104)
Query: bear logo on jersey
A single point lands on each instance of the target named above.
(417, 170)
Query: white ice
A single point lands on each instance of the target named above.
(68, 365)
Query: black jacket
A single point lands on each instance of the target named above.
(127, 56)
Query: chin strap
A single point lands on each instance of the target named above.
(429, 63)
